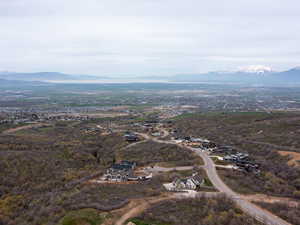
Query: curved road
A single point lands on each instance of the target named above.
(250, 208)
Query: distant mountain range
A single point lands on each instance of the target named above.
(268, 77)
(46, 76)
(254, 76)
(21, 84)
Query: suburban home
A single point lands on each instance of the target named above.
(131, 137)
(189, 183)
(128, 163)
(122, 171)
(225, 149)
(237, 157)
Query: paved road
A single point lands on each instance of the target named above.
(253, 210)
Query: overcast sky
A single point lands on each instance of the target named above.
(148, 37)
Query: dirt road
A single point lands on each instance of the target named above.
(157, 169)
(271, 199)
(272, 145)
(14, 130)
(139, 208)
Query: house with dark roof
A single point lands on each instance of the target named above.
(128, 163)
(122, 171)
(131, 137)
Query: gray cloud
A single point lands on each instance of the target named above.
(147, 37)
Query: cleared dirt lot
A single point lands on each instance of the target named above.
(294, 157)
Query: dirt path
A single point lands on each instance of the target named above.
(271, 145)
(270, 199)
(14, 130)
(133, 144)
(157, 169)
(139, 207)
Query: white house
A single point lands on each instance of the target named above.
(189, 183)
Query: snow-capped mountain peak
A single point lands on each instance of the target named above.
(258, 69)
(296, 68)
